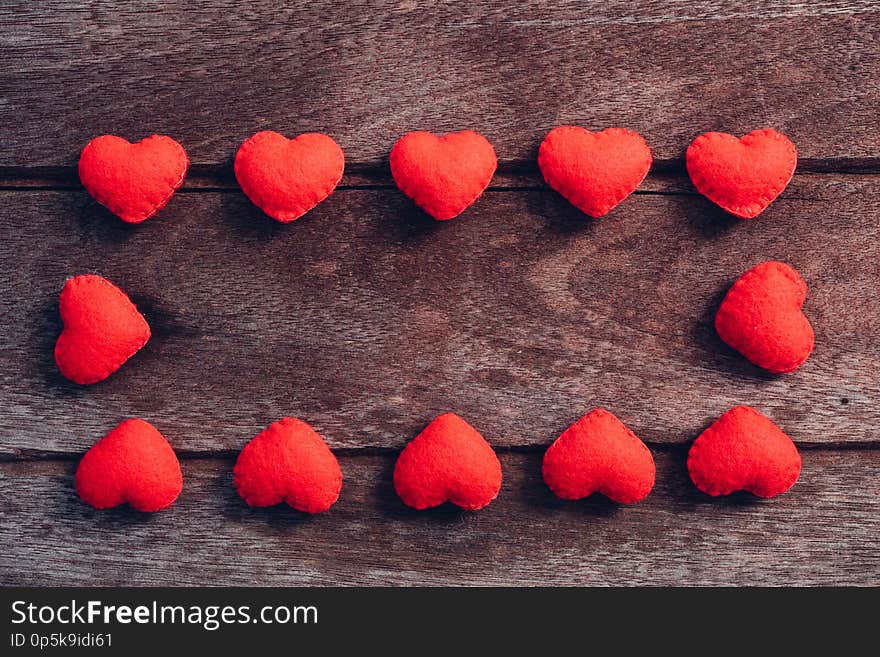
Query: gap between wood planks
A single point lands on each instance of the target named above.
(40, 456)
(665, 177)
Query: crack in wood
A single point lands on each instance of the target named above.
(513, 176)
(37, 456)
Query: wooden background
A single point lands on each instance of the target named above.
(366, 318)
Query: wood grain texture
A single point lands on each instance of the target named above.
(212, 73)
(823, 531)
(367, 319)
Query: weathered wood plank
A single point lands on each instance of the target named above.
(367, 319)
(826, 530)
(212, 73)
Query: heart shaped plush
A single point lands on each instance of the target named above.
(449, 461)
(594, 171)
(288, 462)
(102, 329)
(133, 463)
(743, 176)
(286, 178)
(443, 175)
(744, 450)
(133, 181)
(599, 453)
(761, 318)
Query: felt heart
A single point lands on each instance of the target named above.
(761, 317)
(599, 453)
(286, 178)
(743, 176)
(594, 171)
(443, 175)
(449, 461)
(133, 181)
(133, 463)
(288, 462)
(744, 450)
(102, 329)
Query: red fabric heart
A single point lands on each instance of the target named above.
(133, 181)
(745, 175)
(443, 175)
(286, 178)
(102, 329)
(449, 461)
(594, 171)
(744, 450)
(599, 453)
(133, 463)
(761, 317)
(288, 462)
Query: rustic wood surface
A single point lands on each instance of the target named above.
(366, 318)
(824, 531)
(368, 72)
